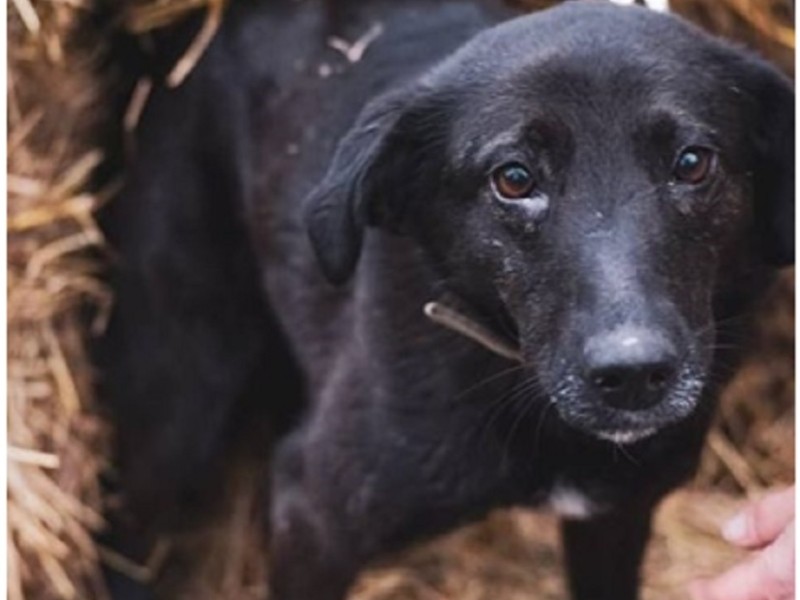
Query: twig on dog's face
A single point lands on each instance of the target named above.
(460, 323)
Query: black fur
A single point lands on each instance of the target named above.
(265, 174)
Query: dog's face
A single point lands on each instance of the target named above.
(596, 174)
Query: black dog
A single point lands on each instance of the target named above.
(607, 188)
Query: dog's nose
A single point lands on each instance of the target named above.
(630, 368)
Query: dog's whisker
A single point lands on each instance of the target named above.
(523, 413)
(490, 379)
(624, 451)
(505, 402)
(542, 418)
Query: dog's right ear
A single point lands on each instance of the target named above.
(367, 180)
(773, 142)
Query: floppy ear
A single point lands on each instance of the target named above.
(369, 180)
(773, 142)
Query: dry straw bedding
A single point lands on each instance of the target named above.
(56, 298)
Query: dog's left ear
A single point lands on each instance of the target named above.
(375, 172)
(773, 142)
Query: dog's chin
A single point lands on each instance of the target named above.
(590, 416)
(626, 436)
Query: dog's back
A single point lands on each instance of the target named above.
(195, 353)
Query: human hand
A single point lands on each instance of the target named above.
(768, 526)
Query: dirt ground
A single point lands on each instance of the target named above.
(515, 555)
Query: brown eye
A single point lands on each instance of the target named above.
(693, 165)
(513, 182)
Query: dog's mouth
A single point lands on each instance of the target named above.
(629, 436)
(581, 410)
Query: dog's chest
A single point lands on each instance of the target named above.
(570, 500)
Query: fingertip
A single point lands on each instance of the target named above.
(762, 521)
(735, 530)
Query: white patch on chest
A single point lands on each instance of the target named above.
(568, 502)
(659, 5)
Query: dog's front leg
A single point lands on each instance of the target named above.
(309, 555)
(304, 563)
(364, 480)
(603, 555)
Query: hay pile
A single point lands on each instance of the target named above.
(56, 443)
(57, 109)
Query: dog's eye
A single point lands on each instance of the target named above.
(512, 182)
(693, 165)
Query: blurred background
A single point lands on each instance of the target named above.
(66, 90)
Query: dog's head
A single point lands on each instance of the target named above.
(595, 173)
